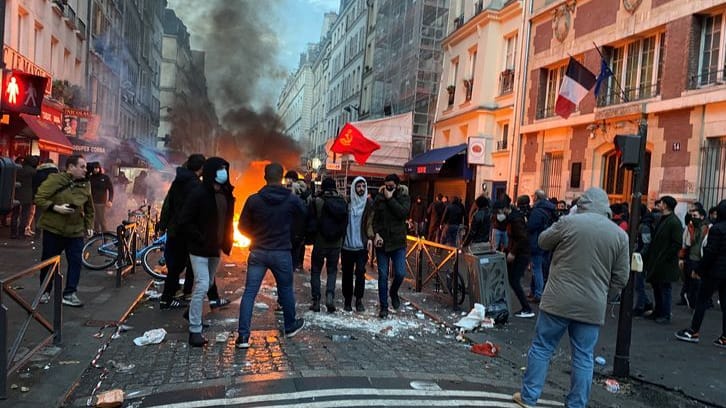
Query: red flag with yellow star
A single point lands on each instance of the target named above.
(351, 141)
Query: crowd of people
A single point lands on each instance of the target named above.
(578, 255)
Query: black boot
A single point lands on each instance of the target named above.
(348, 307)
(395, 300)
(315, 307)
(197, 340)
(383, 313)
(330, 302)
(359, 305)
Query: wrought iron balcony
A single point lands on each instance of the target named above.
(613, 95)
(502, 144)
(707, 78)
(506, 81)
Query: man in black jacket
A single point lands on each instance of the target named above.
(102, 192)
(176, 252)
(712, 271)
(267, 219)
(205, 222)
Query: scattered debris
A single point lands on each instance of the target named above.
(24, 389)
(14, 387)
(98, 334)
(366, 322)
(425, 385)
(222, 337)
(152, 294)
(340, 338)
(612, 385)
(473, 319)
(121, 367)
(154, 336)
(261, 306)
(110, 399)
(421, 315)
(486, 349)
(69, 362)
(600, 360)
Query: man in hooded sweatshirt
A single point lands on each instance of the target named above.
(540, 218)
(355, 244)
(576, 294)
(267, 219)
(206, 224)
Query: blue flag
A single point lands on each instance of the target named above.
(605, 72)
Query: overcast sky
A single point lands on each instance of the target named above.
(285, 28)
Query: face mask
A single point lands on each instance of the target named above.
(390, 188)
(501, 217)
(221, 176)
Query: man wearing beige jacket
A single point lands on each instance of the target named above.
(589, 264)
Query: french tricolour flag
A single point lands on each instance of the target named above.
(577, 83)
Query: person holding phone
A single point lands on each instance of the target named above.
(67, 205)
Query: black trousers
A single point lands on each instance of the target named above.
(515, 272)
(329, 257)
(708, 286)
(353, 262)
(176, 254)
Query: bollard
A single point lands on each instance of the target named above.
(455, 282)
(57, 306)
(121, 256)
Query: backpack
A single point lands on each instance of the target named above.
(333, 218)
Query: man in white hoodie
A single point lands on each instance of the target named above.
(355, 244)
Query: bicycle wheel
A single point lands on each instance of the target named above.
(100, 251)
(154, 262)
(461, 288)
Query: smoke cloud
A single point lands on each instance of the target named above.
(241, 49)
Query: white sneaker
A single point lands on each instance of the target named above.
(72, 300)
(524, 314)
(45, 298)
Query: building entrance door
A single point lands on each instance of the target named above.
(617, 181)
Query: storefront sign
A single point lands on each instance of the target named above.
(476, 152)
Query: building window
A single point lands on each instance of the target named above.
(713, 171)
(711, 60)
(637, 68)
(575, 175)
(551, 88)
(503, 142)
(510, 52)
(552, 174)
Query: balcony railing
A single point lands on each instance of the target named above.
(614, 96)
(545, 112)
(469, 88)
(70, 15)
(81, 30)
(451, 89)
(502, 144)
(506, 81)
(458, 22)
(709, 78)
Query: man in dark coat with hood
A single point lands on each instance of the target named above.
(712, 271)
(206, 225)
(267, 219)
(540, 218)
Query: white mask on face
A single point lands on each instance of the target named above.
(221, 176)
(501, 217)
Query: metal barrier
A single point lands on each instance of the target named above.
(428, 261)
(8, 364)
(126, 258)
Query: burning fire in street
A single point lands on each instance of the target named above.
(240, 241)
(247, 179)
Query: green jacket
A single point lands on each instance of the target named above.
(60, 189)
(389, 218)
(661, 262)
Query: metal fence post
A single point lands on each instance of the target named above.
(3, 349)
(57, 305)
(121, 256)
(455, 282)
(419, 266)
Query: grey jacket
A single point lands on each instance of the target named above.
(589, 259)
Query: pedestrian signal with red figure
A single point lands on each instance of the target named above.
(22, 92)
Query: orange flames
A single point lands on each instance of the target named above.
(246, 182)
(240, 240)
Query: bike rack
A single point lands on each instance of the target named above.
(424, 259)
(126, 258)
(7, 357)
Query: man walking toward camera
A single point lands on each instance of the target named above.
(390, 211)
(589, 265)
(67, 205)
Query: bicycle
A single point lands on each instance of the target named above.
(101, 252)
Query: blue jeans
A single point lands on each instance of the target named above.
(537, 275)
(398, 257)
(548, 332)
(54, 244)
(280, 263)
(501, 240)
(204, 270)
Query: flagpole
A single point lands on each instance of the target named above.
(602, 58)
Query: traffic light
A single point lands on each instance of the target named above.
(628, 148)
(7, 184)
(22, 92)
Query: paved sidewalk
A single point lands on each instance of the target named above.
(50, 375)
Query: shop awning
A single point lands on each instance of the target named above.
(432, 161)
(50, 137)
(155, 158)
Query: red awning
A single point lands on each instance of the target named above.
(50, 137)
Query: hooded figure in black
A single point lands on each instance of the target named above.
(206, 224)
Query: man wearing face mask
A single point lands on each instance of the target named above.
(390, 210)
(67, 205)
(206, 222)
(418, 217)
(355, 244)
(690, 255)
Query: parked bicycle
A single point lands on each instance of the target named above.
(101, 252)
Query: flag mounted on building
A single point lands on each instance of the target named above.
(578, 81)
(605, 73)
(351, 141)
